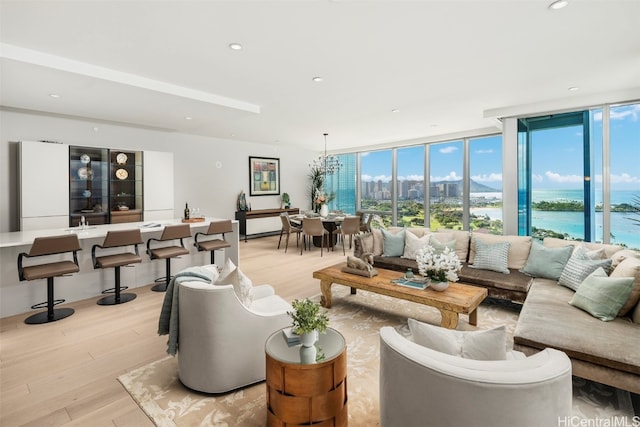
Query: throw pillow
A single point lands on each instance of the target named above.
(242, 285)
(393, 244)
(579, 267)
(595, 253)
(213, 270)
(478, 345)
(439, 247)
(494, 257)
(630, 267)
(602, 296)
(546, 262)
(227, 268)
(413, 243)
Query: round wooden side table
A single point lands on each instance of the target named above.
(304, 394)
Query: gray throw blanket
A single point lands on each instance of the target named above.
(168, 323)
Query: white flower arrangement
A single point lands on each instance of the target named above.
(439, 267)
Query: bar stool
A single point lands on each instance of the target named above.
(43, 246)
(215, 227)
(116, 239)
(170, 232)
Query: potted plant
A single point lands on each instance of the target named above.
(307, 320)
(286, 202)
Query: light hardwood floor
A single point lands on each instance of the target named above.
(64, 373)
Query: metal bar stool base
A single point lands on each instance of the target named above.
(43, 317)
(112, 300)
(160, 287)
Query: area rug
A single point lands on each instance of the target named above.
(157, 390)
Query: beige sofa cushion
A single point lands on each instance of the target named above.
(553, 242)
(547, 320)
(461, 237)
(620, 256)
(518, 250)
(630, 267)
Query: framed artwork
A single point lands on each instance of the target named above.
(264, 176)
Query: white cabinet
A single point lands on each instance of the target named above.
(158, 185)
(44, 185)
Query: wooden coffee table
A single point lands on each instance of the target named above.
(457, 298)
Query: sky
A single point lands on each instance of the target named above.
(557, 156)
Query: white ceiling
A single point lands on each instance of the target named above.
(448, 66)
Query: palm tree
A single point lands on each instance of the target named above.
(317, 183)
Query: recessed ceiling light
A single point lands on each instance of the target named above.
(573, 89)
(54, 95)
(558, 4)
(395, 110)
(235, 46)
(188, 118)
(317, 79)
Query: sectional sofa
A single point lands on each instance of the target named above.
(604, 351)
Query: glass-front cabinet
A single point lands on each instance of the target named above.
(105, 186)
(125, 186)
(88, 185)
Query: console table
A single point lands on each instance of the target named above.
(243, 216)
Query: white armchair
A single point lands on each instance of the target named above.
(222, 341)
(420, 386)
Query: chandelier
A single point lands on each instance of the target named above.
(327, 165)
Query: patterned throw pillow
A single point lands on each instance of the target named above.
(602, 296)
(579, 267)
(494, 256)
(242, 285)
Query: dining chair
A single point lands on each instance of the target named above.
(350, 226)
(288, 227)
(313, 227)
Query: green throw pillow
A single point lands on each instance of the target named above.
(492, 256)
(392, 244)
(439, 247)
(546, 262)
(602, 296)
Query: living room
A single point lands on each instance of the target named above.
(82, 47)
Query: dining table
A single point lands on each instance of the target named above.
(331, 223)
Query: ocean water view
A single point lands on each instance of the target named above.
(623, 230)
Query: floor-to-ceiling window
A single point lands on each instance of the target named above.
(624, 174)
(395, 178)
(410, 186)
(342, 185)
(485, 187)
(578, 174)
(446, 189)
(375, 184)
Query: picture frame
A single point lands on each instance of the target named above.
(264, 176)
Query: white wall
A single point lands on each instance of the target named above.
(197, 179)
